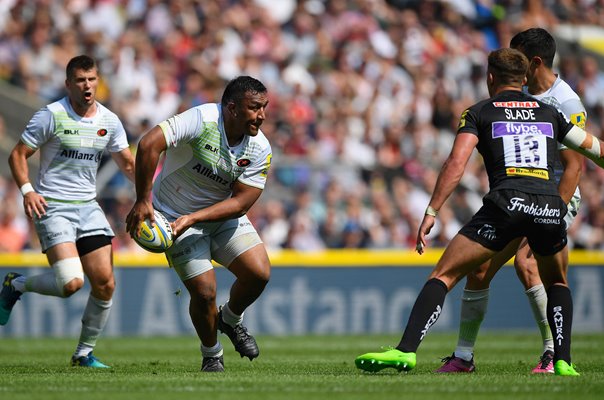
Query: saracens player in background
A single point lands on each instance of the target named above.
(71, 135)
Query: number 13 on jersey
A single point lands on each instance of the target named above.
(524, 144)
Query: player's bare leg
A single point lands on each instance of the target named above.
(252, 270)
(64, 279)
(203, 312)
(474, 302)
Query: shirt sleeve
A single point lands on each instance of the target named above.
(256, 174)
(574, 111)
(39, 129)
(182, 127)
(118, 140)
(564, 126)
(468, 122)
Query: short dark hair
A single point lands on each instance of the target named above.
(509, 66)
(536, 42)
(79, 62)
(236, 89)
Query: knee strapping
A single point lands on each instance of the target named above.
(67, 270)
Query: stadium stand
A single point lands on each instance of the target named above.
(365, 97)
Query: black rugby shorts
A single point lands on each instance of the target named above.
(508, 214)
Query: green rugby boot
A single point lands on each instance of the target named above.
(391, 358)
(563, 368)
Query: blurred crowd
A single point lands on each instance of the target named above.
(365, 96)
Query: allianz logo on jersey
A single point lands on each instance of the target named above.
(79, 155)
(208, 173)
(508, 128)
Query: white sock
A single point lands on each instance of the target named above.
(94, 320)
(214, 351)
(538, 301)
(45, 283)
(473, 308)
(229, 316)
(82, 350)
(19, 284)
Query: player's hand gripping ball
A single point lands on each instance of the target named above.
(155, 239)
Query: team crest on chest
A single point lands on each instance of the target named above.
(223, 165)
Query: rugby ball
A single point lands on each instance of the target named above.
(154, 238)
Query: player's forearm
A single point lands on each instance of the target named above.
(19, 168)
(148, 152)
(447, 181)
(144, 169)
(571, 176)
(567, 187)
(242, 199)
(222, 211)
(125, 162)
(586, 144)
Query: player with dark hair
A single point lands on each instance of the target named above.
(543, 84)
(517, 137)
(71, 135)
(216, 165)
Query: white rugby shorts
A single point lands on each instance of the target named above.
(192, 252)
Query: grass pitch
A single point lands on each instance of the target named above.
(304, 367)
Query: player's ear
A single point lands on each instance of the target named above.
(536, 62)
(490, 82)
(490, 79)
(232, 109)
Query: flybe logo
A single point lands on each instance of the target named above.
(508, 128)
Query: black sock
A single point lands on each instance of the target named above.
(425, 312)
(560, 318)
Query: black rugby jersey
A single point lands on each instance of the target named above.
(517, 137)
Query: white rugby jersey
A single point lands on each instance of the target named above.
(200, 167)
(70, 148)
(564, 98)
